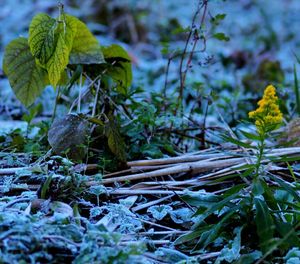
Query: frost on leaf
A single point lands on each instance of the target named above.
(159, 211)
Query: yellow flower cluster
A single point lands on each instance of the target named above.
(268, 114)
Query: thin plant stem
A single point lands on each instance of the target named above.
(260, 155)
(296, 88)
(195, 34)
(55, 104)
(79, 95)
(96, 98)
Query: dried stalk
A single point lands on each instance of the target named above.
(174, 160)
(11, 171)
(146, 205)
(143, 192)
(185, 167)
(154, 224)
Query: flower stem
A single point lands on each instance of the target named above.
(260, 154)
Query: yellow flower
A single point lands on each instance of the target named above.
(267, 116)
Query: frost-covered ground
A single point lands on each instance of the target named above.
(58, 209)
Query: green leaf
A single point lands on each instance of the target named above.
(257, 187)
(215, 207)
(45, 187)
(26, 78)
(264, 224)
(292, 172)
(292, 240)
(235, 141)
(268, 194)
(116, 52)
(60, 57)
(200, 198)
(251, 135)
(212, 233)
(51, 42)
(220, 16)
(286, 186)
(75, 76)
(121, 72)
(86, 48)
(249, 258)
(58, 61)
(115, 141)
(189, 236)
(221, 36)
(234, 190)
(42, 37)
(69, 29)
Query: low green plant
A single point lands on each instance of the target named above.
(261, 206)
(62, 52)
(267, 118)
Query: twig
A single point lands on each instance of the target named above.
(111, 100)
(87, 90)
(154, 242)
(182, 74)
(146, 205)
(169, 184)
(116, 173)
(161, 233)
(147, 168)
(143, 192)
(154, 224)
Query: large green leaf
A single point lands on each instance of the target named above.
(117, 52)
(42, 37)
(121, 72)
(264, 224)
(26, 78)
(58, 61)
(69, 29)
(86, 48)
(51, 42)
